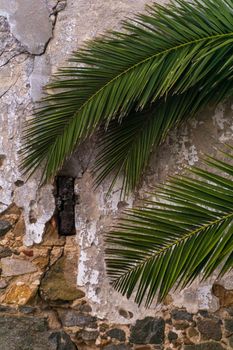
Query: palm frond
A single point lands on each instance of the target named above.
(166, 51)
(169, 241)
(125, 148)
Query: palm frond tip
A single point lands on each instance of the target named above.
(167, 51)
(169, 241)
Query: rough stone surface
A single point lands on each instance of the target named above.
(19, 294)
(117, 347)
(181, 315)
(3, 284)
(231, 341)
(181, 325)
(229, 326)
(210, 329)
(5, 226)
(192, 332)
(7, 309)
(5, 252)
(15, 267)
(61, 341)
(23, 333)
(27, 309)
(74, 318)
(148, 331)
(172, 336)
(87, 335)
(116, 333)
(204, 346)
(56, 287)
(225, 296)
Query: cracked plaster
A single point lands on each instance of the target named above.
(29, 22)
(26, 62)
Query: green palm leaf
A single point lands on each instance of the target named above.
(125, 148)
(170, 240)
(164, 52)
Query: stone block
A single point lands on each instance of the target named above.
(192, 332)
(3, 284)
(148, 331)
(70, 318)
(230, 339)
(116, 333)
(7, 309)
(181, 314)
(229, 326)
(5, 226)
(56, 287)
(225, 296)
(19, 294)
(117, 347)
(205, 346)
(230, 310)
(5, 252)
(27, 309)
(81, 307)
(87, 335)
(16, 267)
(172, 336)
(61, 341)
(19, 229)
(24, 333)
(51, 237)
(210, 329)
(181, 325)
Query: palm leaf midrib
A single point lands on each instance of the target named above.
(176, 242)
(177, 47)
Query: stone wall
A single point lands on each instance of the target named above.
(54, 293)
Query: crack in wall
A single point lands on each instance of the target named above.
(53, 17)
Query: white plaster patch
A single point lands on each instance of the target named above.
(196, 297)
(91, 294)
(218, 117)
(183, 151)
(195, 123)
(206, 300)
(82, 277)
(40, 76)
(191, 155)
(225, 137)
(94, 278)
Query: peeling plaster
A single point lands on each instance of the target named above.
(218, 117)
(196, 297)
(43, 209)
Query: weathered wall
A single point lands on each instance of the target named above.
(57, 284)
